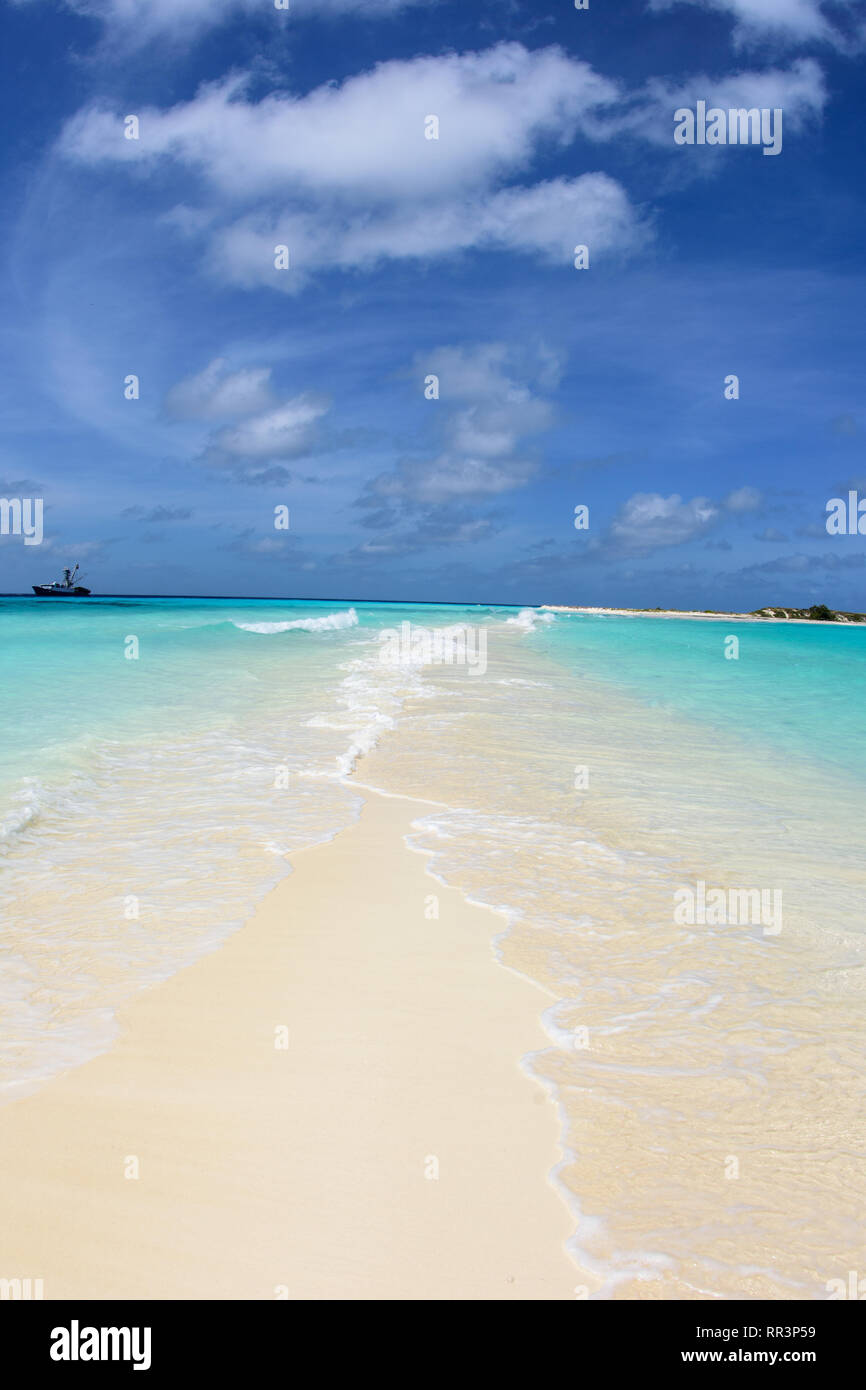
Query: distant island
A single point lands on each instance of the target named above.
(818, 613)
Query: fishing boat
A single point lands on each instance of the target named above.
(62, 588)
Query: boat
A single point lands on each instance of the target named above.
(62, 588)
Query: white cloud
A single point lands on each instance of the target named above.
(799, 90)
(366, 135)
(451, 478)
(263, 429)
(743, 499)
(481, 372)
(132, 23)
(345, 177)
(648, 521)
(286, 432)
(547, 221)
(485, 435)
(796, 21)
(216, 393)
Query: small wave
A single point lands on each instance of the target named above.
(369, 701)
(538, 685)
(528, 617)
(26, 807)
(328, 623)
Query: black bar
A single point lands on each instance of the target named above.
(216, 1340)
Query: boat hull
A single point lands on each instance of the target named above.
(48, 591)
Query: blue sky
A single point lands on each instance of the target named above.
(304, 387)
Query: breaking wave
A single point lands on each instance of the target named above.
(330, 622)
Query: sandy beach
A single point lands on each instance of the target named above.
(223, 1080)
(304, 1171)
(692, 613)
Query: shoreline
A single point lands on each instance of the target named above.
(299, 1171)
(693, 613)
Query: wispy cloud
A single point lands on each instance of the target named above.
(786, 21)
(157, 515)
(133, 23)
(217, 393)
(800, 90)
(489, 417)
(260, 430)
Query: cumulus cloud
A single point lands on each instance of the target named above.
(261, 431)
(366, 134)
(495, 409)
(546, 221)
(490, 415)
(287, 432)
(345, 178)
(647, 521)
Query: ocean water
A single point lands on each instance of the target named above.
(709, 1074)
(159, 760)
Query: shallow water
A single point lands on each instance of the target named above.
(710, 1074)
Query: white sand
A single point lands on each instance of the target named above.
(305, 1167)
(694, 613)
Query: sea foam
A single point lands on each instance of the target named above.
(329, 622)
(528, 618)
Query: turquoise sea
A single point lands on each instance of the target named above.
(161, 759)
(65, 678)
